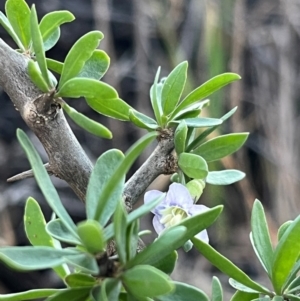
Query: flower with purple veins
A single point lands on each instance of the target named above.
(176, 206)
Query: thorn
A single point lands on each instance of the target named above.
(28, 174)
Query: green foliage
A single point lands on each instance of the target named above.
(193, 166)
(29, 295)
(224, 177)
(18, 15)
(86, 123)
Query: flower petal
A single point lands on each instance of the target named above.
(150, 196)
(203, 236)
(178, 195)
(197, 209)
(158, 227)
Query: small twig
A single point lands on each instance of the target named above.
(28, 174)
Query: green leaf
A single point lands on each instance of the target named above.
(155, 99)
(54, 65)
(120, 227)
(241, 287)
(194, 107)
(221, 146)
(291, 297)
(7, 26)
(88, 124)
(34, 258)
(96, 66)
(109, 290)
(80, 280)
(98, 206)
(193, 166)
(282, 229)
(261, 236)
(81, 51)
(18, 14)
(146, 281)
(201, 122)
(49, 26)
(168, 263)
(217, 291)
(35, 228)
(132, 238)
(57, 229)
(44, 182)
(74, 294)
(84, 262)
(184, 292)
(286, 255)
(38, 47)
(100, 97)
(142, 121)
(29, 295)
(91, 235)
(224, 177)
(175, 237)
(118, 174)
(242, 296)
(180, 137)
(209, 87)
(173, 88)
(114, 108)
(226, 266)
(36, 76)
(197, 141)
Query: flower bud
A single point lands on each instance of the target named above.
(195, 188)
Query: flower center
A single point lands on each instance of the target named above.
(172, 216)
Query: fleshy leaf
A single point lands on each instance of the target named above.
(226, 266)
(241, 287)
(286, 255)
(156, 99)
(7, 26)
(261, 236)
(217, 291)
(74, 294)
(142, 121)
(80, 280)
(88, 124)
(91, 235)
(18, 14)
(98, 206)
(29, 295)
(81, 51)
(224, 177)
(54, 65)
(96, 66)
(109, 290)
(193, 166)
(120, 227)
(182, 292)
(35, 228)
(209, 87)
(34, 258)
(168, 263)
(44, 182)
(57, 229)
(242, 296)
(180, 137)
(38, 47)
(132, 237)
(146, 281)
(49, 26)
(197, 141)
(36, 76)
(282, 229)
(84, 262)
(173, 88)
(221, 146)
(201, 122)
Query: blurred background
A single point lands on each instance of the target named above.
(259, 40)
